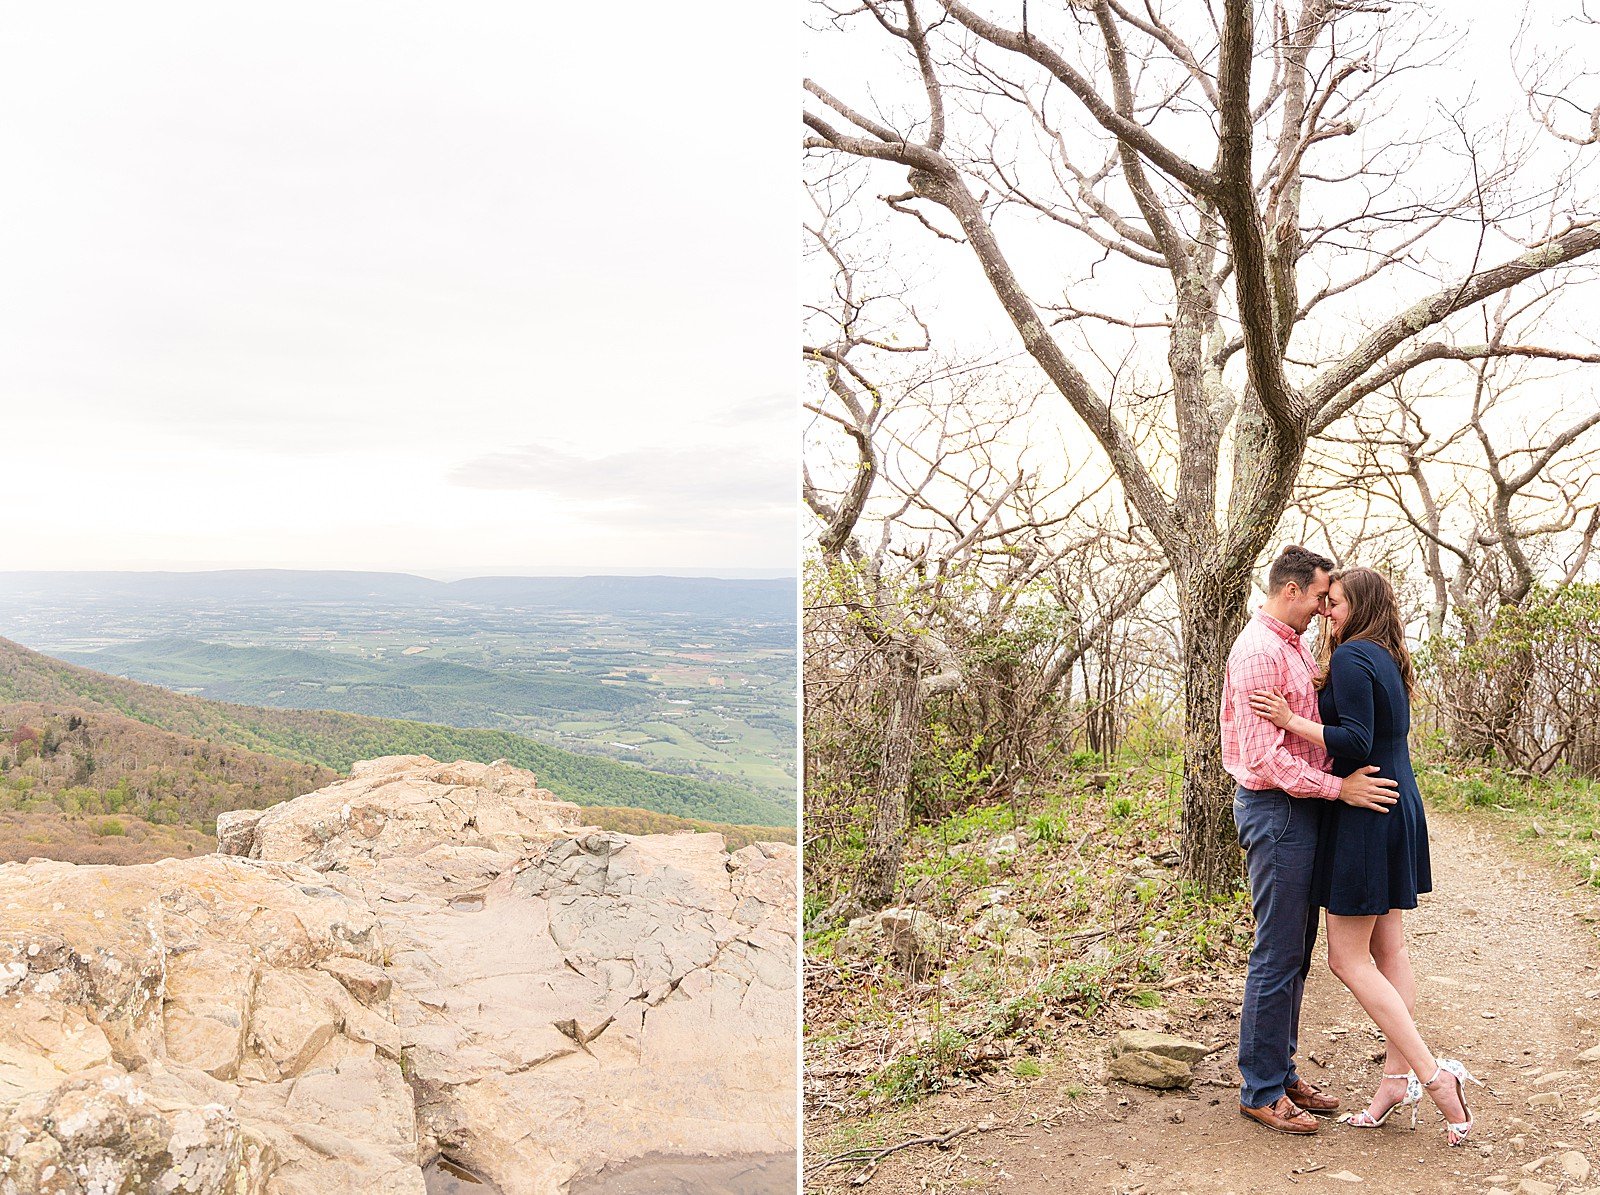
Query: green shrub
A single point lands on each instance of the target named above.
(1080, 983)
(1048, 829)
(924, 1071)
(1152, 731)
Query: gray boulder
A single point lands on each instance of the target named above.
(1150, 1070)
(1167, 1045)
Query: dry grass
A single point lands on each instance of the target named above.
(46, 833)
(646, 821)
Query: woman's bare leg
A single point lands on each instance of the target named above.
(1393, 961)
(1350, 956)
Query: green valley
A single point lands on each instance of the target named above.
(690, 677)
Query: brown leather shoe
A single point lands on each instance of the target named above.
(1284, 1116)
(1310, 1098)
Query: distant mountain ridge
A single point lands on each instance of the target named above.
(758, 598)
(336, 740)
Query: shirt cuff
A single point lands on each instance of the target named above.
(1327, 786)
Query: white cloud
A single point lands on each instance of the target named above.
(661, 487)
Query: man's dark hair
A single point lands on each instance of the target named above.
(1296, 564)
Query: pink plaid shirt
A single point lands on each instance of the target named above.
(1269, 655)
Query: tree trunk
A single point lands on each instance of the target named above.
(879, 874)
(1510, 730)
(1213, 610)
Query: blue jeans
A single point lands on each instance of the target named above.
(1279, 836)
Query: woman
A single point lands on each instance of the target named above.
(1371, 864)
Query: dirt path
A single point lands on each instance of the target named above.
(1508, 968)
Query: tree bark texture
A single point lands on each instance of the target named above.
(879, 874)
(1213, 611)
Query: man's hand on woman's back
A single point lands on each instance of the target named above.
(1365, 790)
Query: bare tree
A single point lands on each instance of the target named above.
(1561, 97)
(889, 603)
(937, 543)
(1095, 580)
(1503, 508)
(1120, 176)
(1498, 487)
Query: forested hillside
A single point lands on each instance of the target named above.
(336, 740)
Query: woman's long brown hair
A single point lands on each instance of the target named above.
(1374, 615)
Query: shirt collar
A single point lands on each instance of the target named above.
(1281, 629)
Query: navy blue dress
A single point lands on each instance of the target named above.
(1367, 862)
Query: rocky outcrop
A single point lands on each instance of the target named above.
(401, 805)
(421, 960)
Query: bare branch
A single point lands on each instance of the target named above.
(1570, 245)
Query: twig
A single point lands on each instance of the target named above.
(869, 1158)
(1093, 933)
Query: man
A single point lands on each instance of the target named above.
(1282, 783)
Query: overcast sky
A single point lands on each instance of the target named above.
(429, 287)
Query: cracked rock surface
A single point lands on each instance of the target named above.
(423, 959)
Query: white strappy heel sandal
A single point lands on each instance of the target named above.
(1365, 1120)
(1455, 1134)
